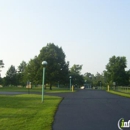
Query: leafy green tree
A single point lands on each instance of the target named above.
(94, 80)
(1, 81)
(20, 73)
(89, 79)
(116, 70)
(32, 72)
(22, 66)
(56, 70)
(75, 72)
(99, 79)
(11, 71)
(76, 69)
(11, 76)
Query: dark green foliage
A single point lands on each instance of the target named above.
(116, 71)
(77, 78)
(22, 67)
(88, 77)
(76, 69)
(32, 71)
(11, 78)
(1, 81)
(56, 69)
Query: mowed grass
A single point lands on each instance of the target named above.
(59, 91)
(119, 93)
(36, 89)
(27, 112)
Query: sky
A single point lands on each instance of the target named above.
(89, 31)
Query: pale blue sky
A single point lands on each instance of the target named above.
(89, 31)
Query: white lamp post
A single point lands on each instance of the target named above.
(44, 63)
(70, 81)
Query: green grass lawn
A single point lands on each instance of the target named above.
(59, 91)
(36, 89)
(27, 112)
(119, 93)
(14, 89)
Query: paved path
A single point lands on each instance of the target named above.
(12, 93)
(91, 110)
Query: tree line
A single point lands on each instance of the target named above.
(58, 71)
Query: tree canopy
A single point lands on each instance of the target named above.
(22, 66)
(76, 69)
(75, 72)
(56, 70)
(11, 76)
(116, 70)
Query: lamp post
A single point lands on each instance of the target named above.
(44, 63)
(90, 81)
(70, 81)
(28, 83)
(100, 85)
(85, 84)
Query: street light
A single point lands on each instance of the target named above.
(85, 84)
(44, 63)
(90, 80)
(100, 85)
(70, 81)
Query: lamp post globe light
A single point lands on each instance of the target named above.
(100, 85)
(44, 63)
(70, 81)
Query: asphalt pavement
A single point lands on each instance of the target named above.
(11, 93)
(88, 110)
(91, 110)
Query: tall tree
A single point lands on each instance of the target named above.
(32, 72)
(22, 66)
(11, 76)
(1, 81)
(116, 70)
(76, 69)
(20, 73)
(56, 70)
(89, 78)
(75, 72)
(99, 79)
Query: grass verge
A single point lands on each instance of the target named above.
(36, 89)
(59, 91)
(27, 112)
(120, 93)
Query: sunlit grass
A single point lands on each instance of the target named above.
(36, 89)
(27, 112)
(119, 93)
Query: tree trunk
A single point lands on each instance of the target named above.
(50, 86)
